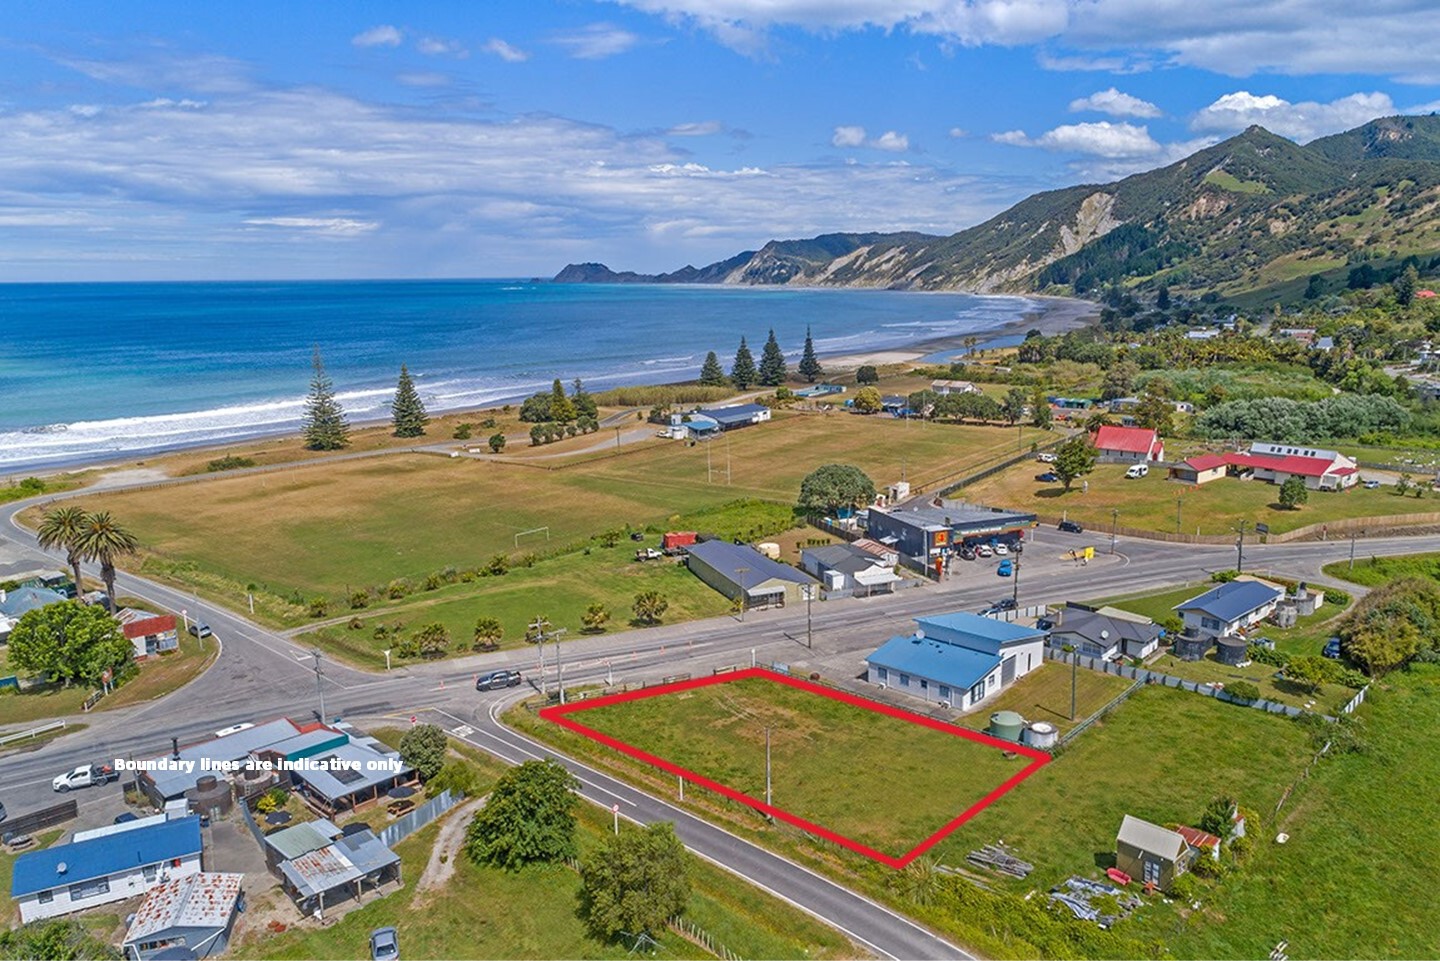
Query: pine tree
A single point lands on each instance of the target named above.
(712, 374)
(585, 405)
(742, 372)
(810, 368)
(407, 410)
(325, 426)
(773, 369)
(562, 409)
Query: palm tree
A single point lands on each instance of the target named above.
(63, 527)
(103, 540)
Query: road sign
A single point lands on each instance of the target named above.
(1262, 528)
(413, 719)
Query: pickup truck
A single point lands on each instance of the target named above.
(84, 776)
(648, 554)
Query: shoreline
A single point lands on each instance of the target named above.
(1052, 315)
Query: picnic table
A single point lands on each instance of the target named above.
(400, 807)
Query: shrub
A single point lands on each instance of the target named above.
(359, 599)
(497, 565)
(1184, 887)
(355, 624)
(398, 588)
(229, 462)
(1206, 866)
(433, 582)
(319, 606)
(1224, 577)
(463, 431)
(488, 423)
(1266, 655)
(1243, 691)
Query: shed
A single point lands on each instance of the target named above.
(195, 913)
(338, 871)
(1149, 853)
(737, 571)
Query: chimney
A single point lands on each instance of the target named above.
(175, 748)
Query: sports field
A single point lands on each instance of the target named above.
(878, 780)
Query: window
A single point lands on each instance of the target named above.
(46, 897)
(1210, 623)
(944, 692)
(924, 684)
(904, 680)
(89, 889)
(149, 872)
(882, 674)
(977, 692)
(994, 680)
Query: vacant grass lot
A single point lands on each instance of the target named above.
(1355, 878)
(1149, 503)
(332, 527)
(1375, 571)
(833, 764)
(1044, 695)
(532, 913)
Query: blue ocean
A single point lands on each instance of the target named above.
(98, 371)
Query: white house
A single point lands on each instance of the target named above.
(149, 633)
(957, 659)
(1230, 608)
(1319, 468)
(99, 870)
(846, 569)
(945, 387)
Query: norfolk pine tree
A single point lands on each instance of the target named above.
(325, 427)
(773, 369)
(742, 372)
(407, 410)
(711, 373)
(562, 409)
(809, 366)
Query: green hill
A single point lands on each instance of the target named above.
(1256, 211)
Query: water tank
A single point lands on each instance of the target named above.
(1232, 650)
(1192, 647)
(1042, 735)
(770, 549)
(1007, 725)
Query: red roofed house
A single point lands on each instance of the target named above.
(1321, 470)
(151, 635)
(1128, 445)
(1425, 294)
(1200, 470)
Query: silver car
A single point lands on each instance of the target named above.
(384, 945)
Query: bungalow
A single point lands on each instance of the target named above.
(956, 659)
(1202, 333)
(946, 387)
(194, 913)
(1127, 445)
(100, 870)
(1200, 470)
(149, 633)
(737, 415)
(846, 569)
(17, 603)
(1096, 634)
(695, 426)
(1320, 469)
(1150, 854)
(738, 571)
(1230, 608)
(888, 554)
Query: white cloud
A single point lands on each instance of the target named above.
(1100, 139)
(1116, 104)
(382, 36)
(959, 132)
(343, 226)
(441, 47)
(702, 129)
(505, 51)
(1300, 121)
(597, 41)
(854, 136)
(423, 79)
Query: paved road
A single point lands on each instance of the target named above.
(262, 673)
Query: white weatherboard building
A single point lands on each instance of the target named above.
(957, 659)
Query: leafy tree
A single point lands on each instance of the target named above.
(867, 374)
(635, 882)
(867, 401)
(488, 632)
(1040, 416)
(530, 817)
(423, 748)
(535, 409)
(1216, 818)
(63, 527)
(1097, 419)
(433, 639)
(57, 939)
(1392, 624)
(742, 372)
(926, 402)
(1156, 413)
(833, 487)
(1013, 406)
(594, 618)
(457, 777)
(407, 410)
(585, 405)
(711, 373)
(809, 366)
(649, 607)
(497, 442)
(539, 434)
(773, 369)
(1073, 459)
(1119, 380)
(1162, 298)
(561, 408)
(1293, 492)
(1309, 671)
(68, 641)
(463, 431)
(324, 425)
(102, 539)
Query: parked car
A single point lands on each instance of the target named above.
(1006, 568)
(1137, 470)
(967, 553)
(1000, 606)
(1000, 548)
(234, 729)
(1018, 547)
(200, 629)
(1045, 458)
(384, 945)
(1371, 485)
(497, 679)
(985, 550)
(649, 554)
(1071, 527)
(126, 818)
(1049, 477)
(2, 811)
(637, 535)
(1332, 649)
(85, 775)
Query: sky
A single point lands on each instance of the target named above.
(507, 138)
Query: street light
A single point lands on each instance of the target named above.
(740, 573)
(1114, 522)
(1240, 548)
(1178, 499)
(1352, 548)
(809, 590)
(1015, 584)
(319, 686)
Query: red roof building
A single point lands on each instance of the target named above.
(152, 635)
(1201, 841)
(1128, 445)
(1276, 463)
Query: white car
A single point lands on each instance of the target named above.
(1045, 458)
(984, 550)
(1001, 549)
(1137, 470)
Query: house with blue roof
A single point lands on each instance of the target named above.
(1230, 608)
(110, 867)
(957, 659)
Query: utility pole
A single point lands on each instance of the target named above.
(740, 573)
(1114, 522)
(1178, 499)
(1015, 585)
(1352, 548)
(319, 686)
(809, 627)
(1240, 548)
(767, 767)
(537, 631)
(559, 664)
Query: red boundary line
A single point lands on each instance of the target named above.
(558, 714)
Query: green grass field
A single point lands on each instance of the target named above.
(1354, 879)
(532, 913)
(1149, 503)
(1044, 695)
(833, 764)
(158, 677)
(1374, 571)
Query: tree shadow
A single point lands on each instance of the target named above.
(1053, 492)
(1105, 860)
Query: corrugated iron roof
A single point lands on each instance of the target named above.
(102, 856)
(204, 900)
(1129, 440)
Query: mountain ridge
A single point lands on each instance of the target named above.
(1254, 209)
